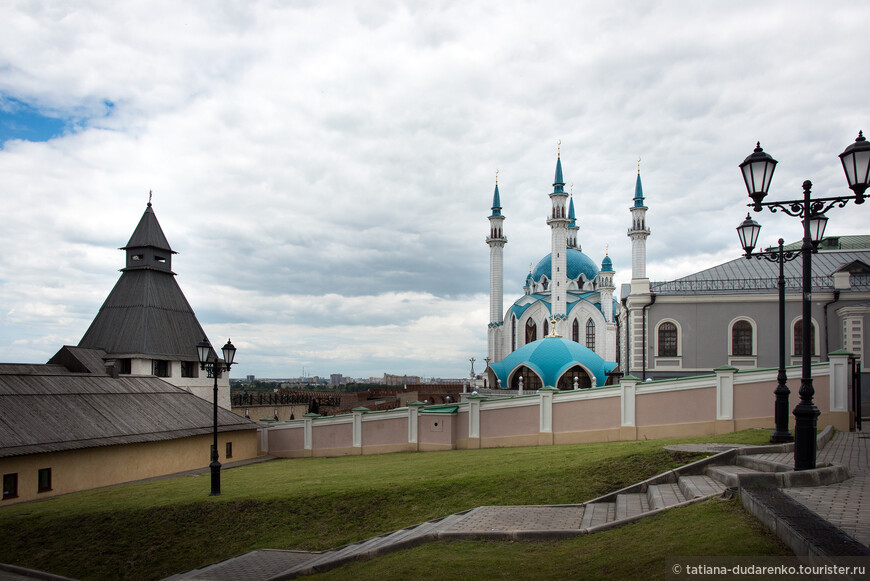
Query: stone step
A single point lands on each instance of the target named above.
(665, 495)
(729, 474)
(628, 505)
(700, 485)
(763, 464)
(598, 513)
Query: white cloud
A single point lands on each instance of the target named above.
(325, 170)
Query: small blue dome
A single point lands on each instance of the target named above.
(550, 358)
(578, 263)
(607, 264)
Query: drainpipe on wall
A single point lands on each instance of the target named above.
(626, 367)
(651, 302)
(825, 312)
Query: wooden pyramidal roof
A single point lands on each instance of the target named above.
(146, 314)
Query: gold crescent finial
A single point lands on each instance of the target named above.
(607, 250)
(638, 165)
(496, 177)
(572, 190)
(559, 149)
(530, 268)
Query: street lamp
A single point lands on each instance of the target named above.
(203, 350)
(757, 171)
(748, 233)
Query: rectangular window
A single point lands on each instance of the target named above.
(189, 369)
(10, 486)
(229, 450)
(43, 480)
(126, 366)
(161, 368)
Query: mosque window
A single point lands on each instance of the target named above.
(546, 328)
(531, 331)
(513, 334)
(590, 334)
(575, 331)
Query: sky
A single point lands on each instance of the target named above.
(325, 169)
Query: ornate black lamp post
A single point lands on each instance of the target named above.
(203, 350)
(748, 232)
(757, 172)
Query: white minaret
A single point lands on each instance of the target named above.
(559, 222)
(640, 290)
(496, 241)
(573, 228)
(638, 234)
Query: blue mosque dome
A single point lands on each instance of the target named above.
(578, 263)
(551, 357)
(607, 264)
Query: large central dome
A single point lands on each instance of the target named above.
(578, 263)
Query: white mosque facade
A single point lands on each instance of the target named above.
(563, 331)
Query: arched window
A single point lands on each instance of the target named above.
(799, 339)
(531, 331)
(575, 331)
(590, 334)
(513, 334)
(546, 328)
(667, 340)
(741, 338)
(531, 381)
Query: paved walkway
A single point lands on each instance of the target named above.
(845, 505)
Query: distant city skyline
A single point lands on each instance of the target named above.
(325, 171)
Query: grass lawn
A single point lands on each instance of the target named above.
(154, 529)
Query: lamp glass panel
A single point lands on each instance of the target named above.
(202, 350)
(818, 222)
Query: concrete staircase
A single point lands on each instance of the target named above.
(629, 506)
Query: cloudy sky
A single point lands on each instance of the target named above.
(325, 169)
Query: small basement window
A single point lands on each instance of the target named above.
(10, 486)
(43, 480)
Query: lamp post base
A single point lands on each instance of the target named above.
(806, 416)
(215, 478)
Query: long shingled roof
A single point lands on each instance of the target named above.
(49, 408)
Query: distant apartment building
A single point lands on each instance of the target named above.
(400, 379)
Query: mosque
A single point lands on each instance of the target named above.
(563, 332)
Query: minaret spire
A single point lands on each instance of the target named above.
(496, 241)
(573, 228)
(559, 222)
(638, 232)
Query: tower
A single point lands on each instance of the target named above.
(146, 326)
(558, 222)
(639, 297)
(496, 241)
(638, 234)
(606, 288)
(573, 228)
